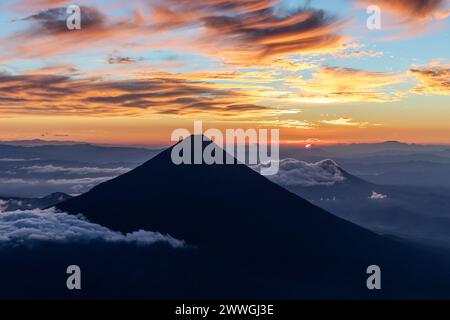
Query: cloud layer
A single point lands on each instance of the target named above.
(241, 30)
(31, 226)
(433, 80)
(346, 122)
(250, 29)
(408, 10)
(294, 172)
(37, 186)
(68, 181)
(334, 84)
(377, 196)
(217, 59)
(157, 94)
(76, 170)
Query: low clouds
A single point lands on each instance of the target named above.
(38, 187)
(31, 226)
(15, 159)
(377, 196)
(433, 80)
(294, 172)
(3, 205)
(79, 171)
(88, 181)
(18, 181)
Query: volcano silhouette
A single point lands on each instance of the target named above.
(211, 205)
(235, 214)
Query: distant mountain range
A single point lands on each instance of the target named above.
(75, 152)
(42, 142)
(38, 143)
(240, 221)
(389, 163)
(34, 171)
(392, 163)
(417, 213)
(365, 148)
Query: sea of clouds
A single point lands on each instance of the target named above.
(32, 226)
(75, 170)
(294, 172)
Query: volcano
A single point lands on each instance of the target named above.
(233, 214)
(212, 205)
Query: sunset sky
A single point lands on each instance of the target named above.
(139, 69)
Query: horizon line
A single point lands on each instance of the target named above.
(302, 143)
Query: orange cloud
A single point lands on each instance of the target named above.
(239, 31)
(434, 79)
(408, 10)
(64, 95)
(336, 85)
(347, 122)
(284, 123)
(249, 30)
(412, 17)
(289, 123)
(48, 33)
(406, 19)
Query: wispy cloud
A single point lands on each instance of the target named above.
(287, 123)
(407, 10)
(82, 181)
(47, 34)
(27, 5)
(433, 79)
(249, 29)
(333, 84)
(80, 170)
(16, 159)
(413, 17)
(243, 32)
(156, 93)
(115, 58)
(89, 181)
(347, 122)
(53, 21)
